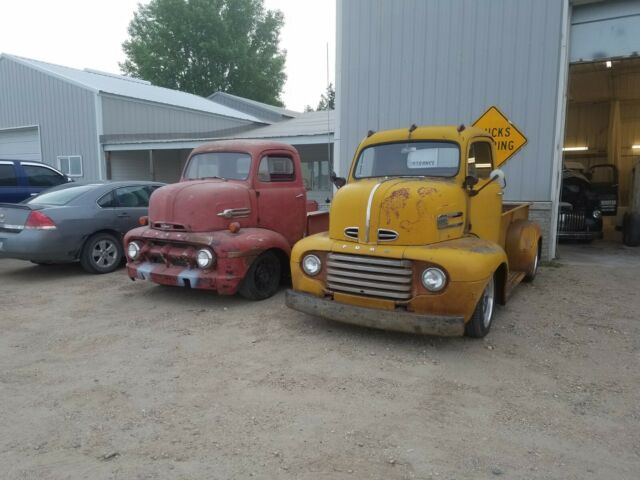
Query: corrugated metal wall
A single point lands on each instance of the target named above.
(64, 112)
(446, 62)
(122, 116)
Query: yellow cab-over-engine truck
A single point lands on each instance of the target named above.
(419, 238)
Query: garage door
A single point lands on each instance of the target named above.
(602, 30)
(130, 165)
(20, 144)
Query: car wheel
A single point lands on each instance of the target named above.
(263, 278)
(102, 253)
(533, 270)
(482, 317)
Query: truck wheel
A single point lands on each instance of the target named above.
(480, 322)
(102, 253)
(531, 274)
(263, 278)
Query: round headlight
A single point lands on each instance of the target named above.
(133, 250)
(596, 214)
(434, 279)
(204, 259)
(311, 265)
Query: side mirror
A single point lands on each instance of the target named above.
(498, 174)
(339, 182)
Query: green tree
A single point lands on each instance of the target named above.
(328, 99)
(203, 46)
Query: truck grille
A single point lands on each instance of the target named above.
(370, 276)
(572, 222)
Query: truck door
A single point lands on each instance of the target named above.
(281, 196)
(485, 208)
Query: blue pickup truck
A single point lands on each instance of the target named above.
(21, 179)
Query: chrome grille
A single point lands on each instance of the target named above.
(572, 222)
(369, 276)
(385, 235)
(351, 232)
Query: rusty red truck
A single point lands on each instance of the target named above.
(229, 224)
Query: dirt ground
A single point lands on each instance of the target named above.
(101, 377)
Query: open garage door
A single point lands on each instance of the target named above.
(20, 144)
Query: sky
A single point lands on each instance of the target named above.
(89, 34)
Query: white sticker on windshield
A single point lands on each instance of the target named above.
(424, 158)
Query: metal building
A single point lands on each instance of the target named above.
(446, 61)
(78, 119)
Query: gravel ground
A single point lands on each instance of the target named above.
(104, 378)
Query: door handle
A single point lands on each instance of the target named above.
(123, 215)
(500, 193)
(300, 195)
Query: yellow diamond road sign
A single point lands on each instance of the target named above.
(506, 135)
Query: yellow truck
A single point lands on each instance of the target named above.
(419, 238)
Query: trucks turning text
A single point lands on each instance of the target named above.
(419, 238)
(229, 224)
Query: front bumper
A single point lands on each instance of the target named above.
(441, 325)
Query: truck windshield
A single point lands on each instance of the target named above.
(409, 159)
(228, 165)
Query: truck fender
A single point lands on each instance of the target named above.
(522, 244)
(249, 243)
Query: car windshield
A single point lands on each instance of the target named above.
(60, 197)
(228, 165)
(409, 159)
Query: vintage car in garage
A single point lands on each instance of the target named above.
(587, 195)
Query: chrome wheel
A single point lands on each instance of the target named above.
(104, 254)
(487, 303)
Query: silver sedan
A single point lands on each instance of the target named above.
(75, 222)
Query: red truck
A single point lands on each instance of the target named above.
(229, 224)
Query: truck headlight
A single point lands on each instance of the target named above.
(204, 258)
(434, 279)
(133, 250)
(596, 214)
(311, 265)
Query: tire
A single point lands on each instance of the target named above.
(263, 277)
(482, 317)
(102, 253)
(531, 274)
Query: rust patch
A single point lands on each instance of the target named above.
(394, 203)
(421, 208)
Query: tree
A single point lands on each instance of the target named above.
(328, 99)
(203, 46)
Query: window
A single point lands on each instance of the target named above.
(61, 196)
(133, 197)
(480, 164)
(43, 176)
(8, 176)
(70, 165)
(232, 166)
(107, 201)
(408, 159)
(276, 169)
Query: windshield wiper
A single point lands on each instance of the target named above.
(213, 177)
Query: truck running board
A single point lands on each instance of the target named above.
(512, 281)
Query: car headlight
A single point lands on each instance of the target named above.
(204, 258)
(596, 214)
(133, 250)
(311, 265)
(434, 279)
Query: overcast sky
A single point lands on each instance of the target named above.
(89, 34)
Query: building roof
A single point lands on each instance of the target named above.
(224, 98)
(129, 87)
(306, 125)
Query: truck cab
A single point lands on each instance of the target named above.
(228, 225)
(419, 238)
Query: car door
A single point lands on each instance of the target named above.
(12, 189)
(41, 177)
(131, 203)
